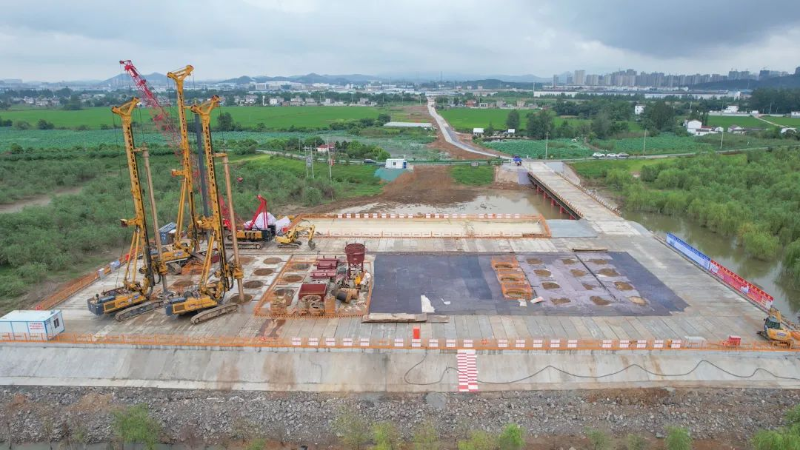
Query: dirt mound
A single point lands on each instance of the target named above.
(427, 185)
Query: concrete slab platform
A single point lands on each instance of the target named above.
(427, 228)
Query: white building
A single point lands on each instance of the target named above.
(696, 128)
(693, 125)
(795, 115)
(477, 131)
(396, 163)
(638, 109)
(325, 148)
(731, 109)
(274, 101)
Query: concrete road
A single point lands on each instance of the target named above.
(452, 137)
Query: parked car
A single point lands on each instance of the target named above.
(598, 155)
(622, 155)
(611, 155)
(369, 161)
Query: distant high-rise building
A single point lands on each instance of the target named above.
(579, 78)
(592, 80)
(797, 70)
(763, 74)
(555, 80)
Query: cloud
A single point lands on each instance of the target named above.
(56, 40)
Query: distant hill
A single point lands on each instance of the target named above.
(790, 81)
(308, 78)
(123, 79)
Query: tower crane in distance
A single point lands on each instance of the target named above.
(208, 296)
(133, 292)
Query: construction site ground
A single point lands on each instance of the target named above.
(675, 300)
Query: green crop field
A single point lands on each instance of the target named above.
(785, 121)
(465, 119)
(556, 148)
(743, 121)
(664, 143)
(273, 118)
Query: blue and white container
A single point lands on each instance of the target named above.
(31, 325)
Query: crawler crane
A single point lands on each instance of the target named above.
(133, 292)
(208, 296)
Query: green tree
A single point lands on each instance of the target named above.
(659, 116)
(489, 131)
(791, 261)
(678, 439)
(386, 436)
(22, 125)
(602, 125)
(635, 442)
(539, 125)
(352, 430)
(134, 425)
(512, 121)
(565, 130)
(599, 439)
(511, 438)
(478, 440)
(426, 438)
(383, 119)
(225, 122)
(44, 125)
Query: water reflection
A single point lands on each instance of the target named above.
(768, 275)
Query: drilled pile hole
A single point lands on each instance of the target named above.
(253, 284)
(300, 266)
(623, 286)
(182, 283)
(272, 260)
(236, 299)
(263, 272)
(638, 301)
(599, 301)
(560, 301)
(542, 272)
(569, 261)
(608, 272)
(534, 261)
(588, 286)
(292, 278)
(600, 262)
(577, 272)
(246, 259)
(550, 285)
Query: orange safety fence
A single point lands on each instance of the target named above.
(528, 344)
(70, 288)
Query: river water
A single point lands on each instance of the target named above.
(768, 275)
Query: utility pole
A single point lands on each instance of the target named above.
(546, 138)
(721, 137)
(644, 142)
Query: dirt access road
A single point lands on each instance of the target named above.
(425, 185)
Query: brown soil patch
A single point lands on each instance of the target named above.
(263, 272)
(569, 261)
(430, 185)
(599, 301)
(623, 286)
(577, 272)
(550, 285)
(292, 278)
(534, 261)
(639, 396)
(608, 272)
(246, 259)
(542, 272)
(92, 402)
(253, 284)
(182, 283)
(272, 260)
(237, 300)
(560, 301)
(637, 300)
(299, 266)
(600, 262)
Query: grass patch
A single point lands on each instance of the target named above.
(556, 148)
(473, 176)
(742, 121)
(465, 119)
(599, 168)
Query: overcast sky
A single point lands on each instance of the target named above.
(84, 39)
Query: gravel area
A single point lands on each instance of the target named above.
(28, 414)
